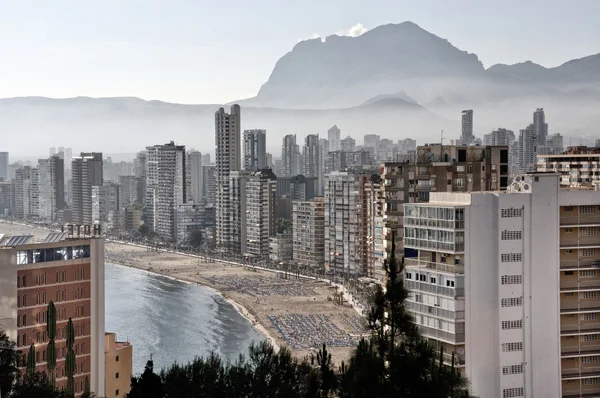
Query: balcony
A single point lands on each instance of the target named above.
(435, 223)
(583, 284)
(448, 247)
(429, 288)
(441, 267)
(566, 330)
(579, 264)
(569, 373)
(452, 338)
(583, 219)
(580, 307)
(575, 350)
(435, 311)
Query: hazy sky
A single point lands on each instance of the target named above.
(201, 51)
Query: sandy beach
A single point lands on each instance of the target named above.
(298, 313)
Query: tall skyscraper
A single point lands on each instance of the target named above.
(194, 160)
(323, 153)
(540, 127)
(128, 191)
(312, 159)
(501, 136)
(227, 155)
(209, 184)
(4, 166)
(86, 172)
(333, 136)
(206, 158)
(165, 187)
(527, 149)
(52, 187)
(69, 271)
(261, 199)
(467, 136)
(348, 144)
(555, 143)
(290, 155)
(27, 193)
(255, 142)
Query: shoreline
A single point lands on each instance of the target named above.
(240, 309)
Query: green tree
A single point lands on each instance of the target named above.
(284, 226)
(327, 381)
(8, 364)
(51, 348)
(195, 238)
(37, 385)
(148, 385)
(144, 230)
(397, 361)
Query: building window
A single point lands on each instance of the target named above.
(116, 392)
(512, 370)
(587, 231)
(512, 302)
(117, 358)
(510, 213)
(591, 380)
(590, 316)
(512, 279)
(512, 257)
(511, 235)
(589, 295)
(117, 375)
(513, 392)
(508, 325)
(568, 230)
(587, 209)
(511, 347)
(590, 273)
(592, 359)
(588, 252)
(587, 338)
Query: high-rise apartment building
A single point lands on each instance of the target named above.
(105, 203)
(195, 176)
(371, 144)
(508, 282)
(501, 136)
(255, 151)
(51, 187)
(485, 286)
(555, 144)
(540, 127)
(209, 184)
(86, 172)
(343, 233)
(128, 191)
(312, 159)
(373, 225)
(7, 199)
(165, 187)
(333, 138)
(238, 214)
(4, 166)
(68, 271)
(227, 155)
(578, 166)
(348, 144)
(323, 151)
(261, 202)
(467, 136)
(527, 149)
(27, 193)
(290, 155)
(308, 228)
(189, 219)
(438, 168)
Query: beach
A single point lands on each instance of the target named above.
(295, 312)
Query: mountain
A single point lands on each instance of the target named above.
(400, 95)
(341, 71)
(127, 125)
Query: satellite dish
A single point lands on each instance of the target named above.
(518, 179)
(460, 351)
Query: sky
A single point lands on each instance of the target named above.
(212, 52)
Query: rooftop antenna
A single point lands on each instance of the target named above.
(442, 138)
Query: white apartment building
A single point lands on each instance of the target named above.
(194, 174)
(261, 199)
(227, 157)
(27, 192)
(308, 228)
(165, 187)
(483, 270)
(579, 166)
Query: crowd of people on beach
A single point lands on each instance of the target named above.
(263, 286)
(303, 331)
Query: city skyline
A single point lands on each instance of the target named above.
(193, 32)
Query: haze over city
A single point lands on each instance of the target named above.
(335, 199)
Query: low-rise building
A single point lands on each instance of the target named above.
(118, 362)
(280, 248)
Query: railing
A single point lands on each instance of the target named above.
(434, 245)
(442, 267)
(454, 338)
(435, 223)
(457, 360)
(426, 287)
(574, 264)
(594, 305)
(579, 328)
(579, 349)
(581, 284)
(582, 219)
(583, 371)
(435, 311)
